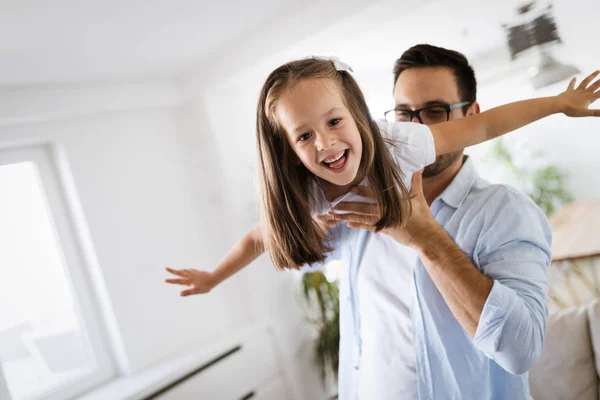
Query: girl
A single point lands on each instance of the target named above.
(316, 140)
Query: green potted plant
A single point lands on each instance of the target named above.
(323, 295)
(544, 184)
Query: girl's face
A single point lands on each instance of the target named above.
(321, 130)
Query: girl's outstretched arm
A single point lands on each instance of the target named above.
(248, 249)
(574, 102)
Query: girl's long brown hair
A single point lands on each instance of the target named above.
(292, 237)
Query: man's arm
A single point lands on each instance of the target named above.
(514, 251)
(464, 288)
(500, 297)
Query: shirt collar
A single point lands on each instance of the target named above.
(456, 192)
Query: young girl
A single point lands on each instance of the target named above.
(316, 140)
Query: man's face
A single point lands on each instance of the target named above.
(420, 87)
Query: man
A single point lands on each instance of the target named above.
(478, 304)
(457, 309)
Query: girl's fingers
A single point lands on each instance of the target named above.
(178, 281)
(595, 86)
(592, 113)
(572, 84)
(584, 83)
(188, 292)
(176, 272)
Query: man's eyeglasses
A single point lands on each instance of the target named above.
(426, 115)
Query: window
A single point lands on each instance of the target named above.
(51, 345)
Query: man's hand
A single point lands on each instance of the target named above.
(416, 229)
(326, 222)
(464, 288)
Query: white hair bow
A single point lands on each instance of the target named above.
(337, 63)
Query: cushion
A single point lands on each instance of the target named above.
(566, 370)
(593, 311)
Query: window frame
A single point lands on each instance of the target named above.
(67, 229)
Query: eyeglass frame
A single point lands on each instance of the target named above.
(417, 113)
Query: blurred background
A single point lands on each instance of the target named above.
(127, 145)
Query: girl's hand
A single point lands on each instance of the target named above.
(575, 102)
(200, 281)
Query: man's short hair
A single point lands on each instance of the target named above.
(425, 55)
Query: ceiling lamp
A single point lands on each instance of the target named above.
(537, 29)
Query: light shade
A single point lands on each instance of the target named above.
(550, 71)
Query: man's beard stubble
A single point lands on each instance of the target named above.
(441, 164)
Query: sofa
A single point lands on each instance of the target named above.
(568, 367)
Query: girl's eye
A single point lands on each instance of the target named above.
(304, 137)
(335, 121)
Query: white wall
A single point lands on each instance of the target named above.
(145, 179)
(159, 185)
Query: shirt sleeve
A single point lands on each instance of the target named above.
(413, 147)
(514, 251)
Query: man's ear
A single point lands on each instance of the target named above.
(473, 109)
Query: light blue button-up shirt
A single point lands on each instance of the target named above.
(507, 237)
(377, 358)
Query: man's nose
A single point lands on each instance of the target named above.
(415, 119)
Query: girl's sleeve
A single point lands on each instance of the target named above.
(412, 148)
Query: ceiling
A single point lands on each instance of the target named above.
(68, 41)
(45, 42)
(469, 26)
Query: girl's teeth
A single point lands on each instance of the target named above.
(338, 162)
(329, 161)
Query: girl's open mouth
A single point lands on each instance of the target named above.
(336, 162)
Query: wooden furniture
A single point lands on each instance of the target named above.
(573, 275)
